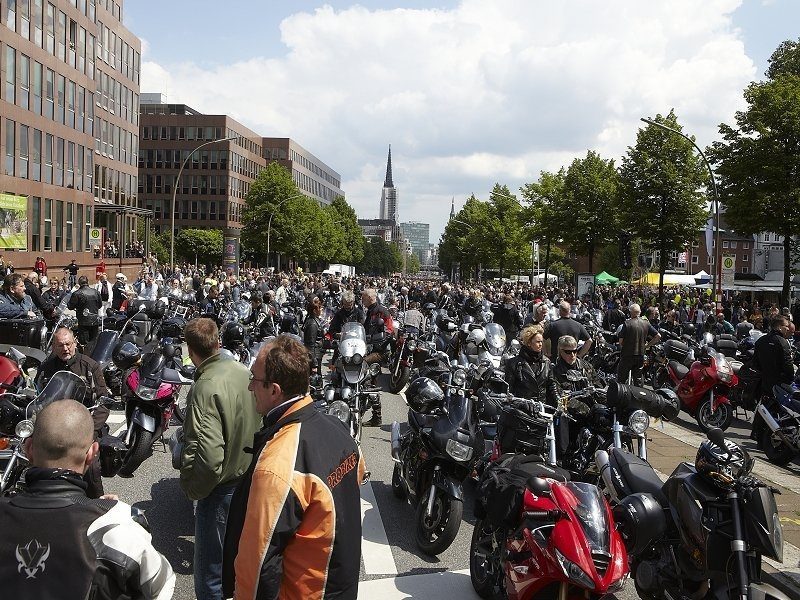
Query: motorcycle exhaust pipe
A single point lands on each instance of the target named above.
(396, 442)
(773, 424)
(604, 466)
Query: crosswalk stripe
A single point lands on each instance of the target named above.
(443, 584)
(375, 548)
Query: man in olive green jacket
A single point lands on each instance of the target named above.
(221, 420)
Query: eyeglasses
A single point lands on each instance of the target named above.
(254, 378)
(570, 350)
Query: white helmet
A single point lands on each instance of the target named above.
(476, 336)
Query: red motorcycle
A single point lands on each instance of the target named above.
(539, 535)
(704, 388)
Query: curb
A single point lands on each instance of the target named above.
(782, 582)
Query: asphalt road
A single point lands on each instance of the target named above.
(392, 566)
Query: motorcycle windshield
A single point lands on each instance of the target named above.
(495, 338)
(63, 384)
(457, 408)
(353, 331)
(353, 340)
(589, 506)
(104, 347)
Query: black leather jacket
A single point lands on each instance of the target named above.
(58, 543)
(530, 376)
(86, 303)
(773, 357)
(572, 378)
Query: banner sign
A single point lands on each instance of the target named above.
(585, 284)
(13, 222)
(230, 253)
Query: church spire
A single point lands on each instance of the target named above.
(453, 208)
(388, 183)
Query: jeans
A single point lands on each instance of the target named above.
(209, 535)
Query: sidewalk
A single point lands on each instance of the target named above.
(669, 445)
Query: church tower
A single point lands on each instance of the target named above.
(388, 209)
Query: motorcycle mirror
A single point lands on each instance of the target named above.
(717, 437)
(137, 515)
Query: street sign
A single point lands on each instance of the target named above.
(728, 270)
(95, 237)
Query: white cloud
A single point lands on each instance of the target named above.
(488, 92)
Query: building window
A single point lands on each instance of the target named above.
(766, 237)
(711, 260)
(11, 75)
(36, 226)
(49, 91)
(11, 14)
(745, 270)
(695, 259)
(48, 158)
(10, 130)
(725, 243)
(79, 220)
(24, 80)
(59, 225)
(745, 258)
(37, 88)
(59, 163)
(50, 23)
(36, 156)
(23, 152)
(48, 224)
(733, 244)
(60, 98)
(70, 208)
(746, 245)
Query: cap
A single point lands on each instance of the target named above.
(121, 277)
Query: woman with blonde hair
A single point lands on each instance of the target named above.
(529, 375)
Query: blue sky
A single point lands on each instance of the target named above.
(468, 92)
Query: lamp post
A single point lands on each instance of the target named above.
(272, 214)
(716, 280)
(175, 193)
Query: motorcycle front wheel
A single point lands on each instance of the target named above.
(485, 562)
(722, 417)
(435, 534)
(398, 488)
(398, 377)
(140, 449)
(180, 405)
(775, 450)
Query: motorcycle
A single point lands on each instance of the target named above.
(345, 397)
(776, 425)
(17, 422)
(704, 532)
(152, 395)
(402, 359)
(434, 456)
(704, 389)
(539, 534)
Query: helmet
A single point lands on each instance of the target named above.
(641, 521)
(428, 306)
(10, 375)
(424, 395)
(688, 329)
(158, 310)
(125, 355)
(476, 336)
(10, 415)
(232, 334)
(722, 464)
(173, 327)
(112, 455)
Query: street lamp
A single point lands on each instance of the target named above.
(175, 192)
(272, 214)
(716, 280)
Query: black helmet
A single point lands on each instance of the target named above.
(10, 415)
(173, 327)
(126, 354)
(641, 521)
(232, 334)
(721, 461)
(424, 395)
(688, 329)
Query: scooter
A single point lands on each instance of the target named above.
(704, 389)
(539, 534)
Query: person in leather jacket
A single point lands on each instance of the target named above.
(507, 315)
(260, 315)
(379, 327)
(14, 302)
(57, 543)
(773, 356)
(86, 303)
(529, 375)
(473, 306)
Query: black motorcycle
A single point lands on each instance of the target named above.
(402, 358)
(702, 533)
(434, 456)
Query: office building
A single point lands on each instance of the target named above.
(313, 177)
(69, 128)
(418, 236)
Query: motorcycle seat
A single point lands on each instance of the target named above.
(637, 474)
(679, 369)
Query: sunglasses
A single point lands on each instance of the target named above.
(570, 351)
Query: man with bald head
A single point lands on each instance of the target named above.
(63, 544)
(633, 337)
(566, 325)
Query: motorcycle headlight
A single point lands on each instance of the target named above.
(639, 421)
(356, 359)
(458, 451)
(24, 429)
(574, 572)
(340, 410)
(411, 345)
(146, 393)
(459, 377)
(346, 393)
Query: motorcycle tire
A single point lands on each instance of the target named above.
(398, 488)
(434, 535)
(722, 417)
(486, 571)
(140, 450)
(398, 383)
(774, 449)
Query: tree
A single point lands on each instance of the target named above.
(544, 197)
(159, 243)
(662, 196)
(412, 264)
(350, 250)
(509, 241)
(464, 240)
(380, 257)
(758, 160)
(200, 245)
(591, 208)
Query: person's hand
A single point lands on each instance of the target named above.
(31, 314)
(109, 497)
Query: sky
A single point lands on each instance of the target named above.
(468, 93)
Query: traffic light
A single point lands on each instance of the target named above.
(625, 261)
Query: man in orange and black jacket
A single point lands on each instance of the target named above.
(294, 525)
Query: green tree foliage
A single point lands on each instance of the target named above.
(545, 196)
(663, 197)
(591, 206)
(201, 245)
(412, 264)
(464, 240)
(159, 243)
(380, 257)
(758, 159)
(505, 231)
(350, 249)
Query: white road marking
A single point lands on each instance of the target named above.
(375, 548)
(444, 584)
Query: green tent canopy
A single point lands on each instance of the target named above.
(606, 279)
